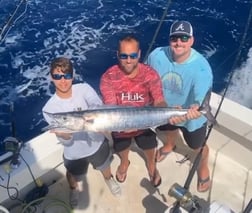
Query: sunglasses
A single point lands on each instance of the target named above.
(126, 56)
(65, 76)
(183, 38)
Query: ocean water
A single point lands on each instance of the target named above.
(87, 31)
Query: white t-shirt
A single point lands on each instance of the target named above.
(83, 97)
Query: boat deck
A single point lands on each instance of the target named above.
(231, 183)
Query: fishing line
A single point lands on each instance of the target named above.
(199, 155)
(53, 202)
(210, 127)
(234, 65)
(241, 45)
(191, 173)
(243, 41)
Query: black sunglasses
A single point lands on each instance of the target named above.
(65, 76)
(183, 38)
(126, 56)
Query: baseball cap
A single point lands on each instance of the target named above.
(181, 28)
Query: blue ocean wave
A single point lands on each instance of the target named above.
(87, 32)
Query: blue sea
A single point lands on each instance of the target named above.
(87, 31)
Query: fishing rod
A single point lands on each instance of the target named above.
(158, 29)
(11, 21)
(193, 204)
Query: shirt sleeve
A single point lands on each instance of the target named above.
(45, 110)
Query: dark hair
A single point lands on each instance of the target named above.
(64, 64)
(128, 38)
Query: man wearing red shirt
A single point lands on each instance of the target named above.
(131, 83)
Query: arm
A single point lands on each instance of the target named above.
(64, 138)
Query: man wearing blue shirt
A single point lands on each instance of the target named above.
(186, 78)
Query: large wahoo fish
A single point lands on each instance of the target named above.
(117, 118)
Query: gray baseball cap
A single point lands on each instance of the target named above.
(181, 28)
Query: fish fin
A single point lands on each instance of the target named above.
(205, 106)
(48, 113)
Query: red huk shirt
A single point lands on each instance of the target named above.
(142, 90)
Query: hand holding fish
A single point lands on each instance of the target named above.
(178, 118)
(63, 135)
(192, 113)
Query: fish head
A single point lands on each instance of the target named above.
(71, 121)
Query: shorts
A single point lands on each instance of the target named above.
(100, 160)
(194, 139)
(146, 140)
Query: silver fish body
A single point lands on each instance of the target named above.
(114, 118)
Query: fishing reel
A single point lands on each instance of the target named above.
(187, 201)
(12, 146)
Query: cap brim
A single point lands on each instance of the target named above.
(180, 34)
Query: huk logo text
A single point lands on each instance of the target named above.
(136, 97)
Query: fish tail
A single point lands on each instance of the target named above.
(205, 106)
